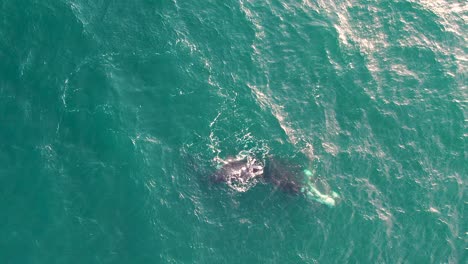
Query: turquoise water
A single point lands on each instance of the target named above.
(113, 114)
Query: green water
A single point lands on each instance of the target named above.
(112, 114)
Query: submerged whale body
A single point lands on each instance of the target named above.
(282, 175)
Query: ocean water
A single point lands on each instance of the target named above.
(113, 114)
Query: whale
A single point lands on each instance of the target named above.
(284, 176)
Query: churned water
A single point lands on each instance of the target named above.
(113, 115)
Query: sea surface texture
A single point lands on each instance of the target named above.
(114, 114)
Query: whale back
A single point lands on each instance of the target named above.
(237, 169)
